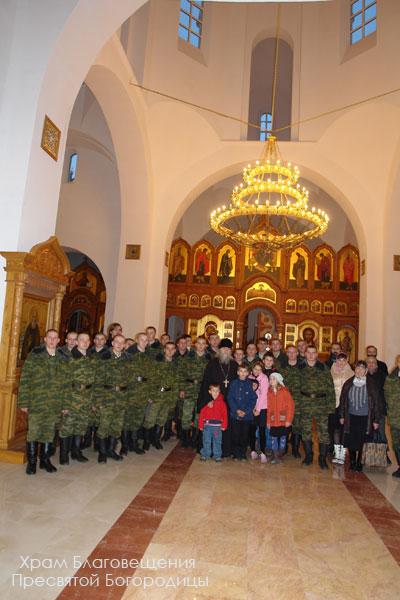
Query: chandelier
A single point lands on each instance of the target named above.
(270, 208)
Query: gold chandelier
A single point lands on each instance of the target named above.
(270, 207)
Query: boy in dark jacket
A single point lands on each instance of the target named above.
(213, 420)
(241, 399)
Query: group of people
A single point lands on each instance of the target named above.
(220, 401)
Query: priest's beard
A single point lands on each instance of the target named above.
(224, 359)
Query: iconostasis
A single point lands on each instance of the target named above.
(234, 291)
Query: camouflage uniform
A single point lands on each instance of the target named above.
(291, 378)
(42, 391)
(142, 372)
(392, 395)
(112, 379)
(317, 394)
(163, 393)
(80, 373)
(191, 375)
(176, 408)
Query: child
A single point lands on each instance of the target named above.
(213, 420)
(279, 415)
(268, 361)
(260, 412)
(242, 400)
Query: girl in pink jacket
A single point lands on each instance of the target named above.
(260, 412)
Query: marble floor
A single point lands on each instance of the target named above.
(166, 526)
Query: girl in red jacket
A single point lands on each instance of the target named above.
(279, 415)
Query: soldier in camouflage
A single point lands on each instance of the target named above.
(317, 394)
(42, 396)
(97, 351)
(80, 373)
(392, 396)
(142, 373)
(71, 340)
(191, 373)
(291, 376)
(111, 384)
(163, 393)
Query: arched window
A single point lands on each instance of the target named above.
(265, 126)
(73, 165)
(261, 82)
(191, 21)
(362, 19)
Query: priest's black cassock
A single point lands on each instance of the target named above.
(222, 374)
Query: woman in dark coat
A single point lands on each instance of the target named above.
(359, 412)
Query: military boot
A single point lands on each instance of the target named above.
(135, 443)
(76, 453)
(323, 452)
(45, 453)
(359, 466)
(112, 443)
(102, 444)
(353, 462)
(167, 431)
(87, 438)
(309, 457)
(146, 438)
(194, 438)
(65, 447)
(397, 473)
(295, 441)
(124, 443)
(185, 438)
(157, 437)
(31, 451)
(95, 439)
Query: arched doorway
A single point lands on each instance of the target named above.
(84, 303)
(257, 323)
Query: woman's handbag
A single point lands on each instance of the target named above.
(375, 452)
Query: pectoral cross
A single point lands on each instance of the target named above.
(226, 382)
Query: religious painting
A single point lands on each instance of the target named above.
(290, 334)
(51, 136)
(326, 339)
(230, 303)
(290, 305)
(298, 269)
(348, 269)
(210, 324)
(346, 337)
(261, 291)
(353, 307)
(329, 308)
(228, 330)
(262, 260)
(202, 264)
(341, 308)
(323, 274)
(178, 262)
(33, 324)
(309, 332)
(194, 301)
(181, 300)
(170, 299)
(226, 264)
(303, 306)
(84, 279)
(218, 302)
(205, 301)
(266, 325)
(316, 306)
(192, 328)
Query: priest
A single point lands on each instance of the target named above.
(220, 370)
